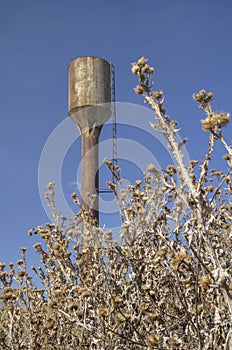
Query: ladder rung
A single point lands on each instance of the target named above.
(103, 190)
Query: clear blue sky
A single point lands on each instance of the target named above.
(188, 42)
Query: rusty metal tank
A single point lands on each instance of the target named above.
(89, 106)
(89, 86)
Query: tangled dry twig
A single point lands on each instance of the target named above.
(166, 286)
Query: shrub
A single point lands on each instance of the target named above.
(167, 285)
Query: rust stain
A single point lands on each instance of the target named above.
(89, 83)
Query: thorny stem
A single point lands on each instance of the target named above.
(220, 185)
(204, 165)
(170, 136)
(227, 147)
(214, 121)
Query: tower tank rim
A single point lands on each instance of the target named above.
(92, 57)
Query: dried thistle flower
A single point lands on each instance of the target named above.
(21, 273)
(135, 69)
(142, 62)
(145, 69)
(51, 185)
(151, 168)
(153, 340)
(200, 96)
(215, 120)
(158, 94)
(139, 90)
(2, 266)
(103, 312)
(205, 282)
(19, 262)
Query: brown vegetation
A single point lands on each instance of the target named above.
(168, 284)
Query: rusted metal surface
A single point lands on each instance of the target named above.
(90, 177)
(89, 87)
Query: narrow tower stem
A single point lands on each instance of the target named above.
(90, 174)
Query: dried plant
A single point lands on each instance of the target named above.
(167, 285)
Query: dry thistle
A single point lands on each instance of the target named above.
(215, 120)
(166, 285)
(139, 90)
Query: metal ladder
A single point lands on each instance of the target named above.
(114, 128)
(114, 121)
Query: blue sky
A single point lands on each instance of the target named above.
(188, 42)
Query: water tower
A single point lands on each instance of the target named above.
(89, 106)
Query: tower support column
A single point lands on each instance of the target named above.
(90, 173)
